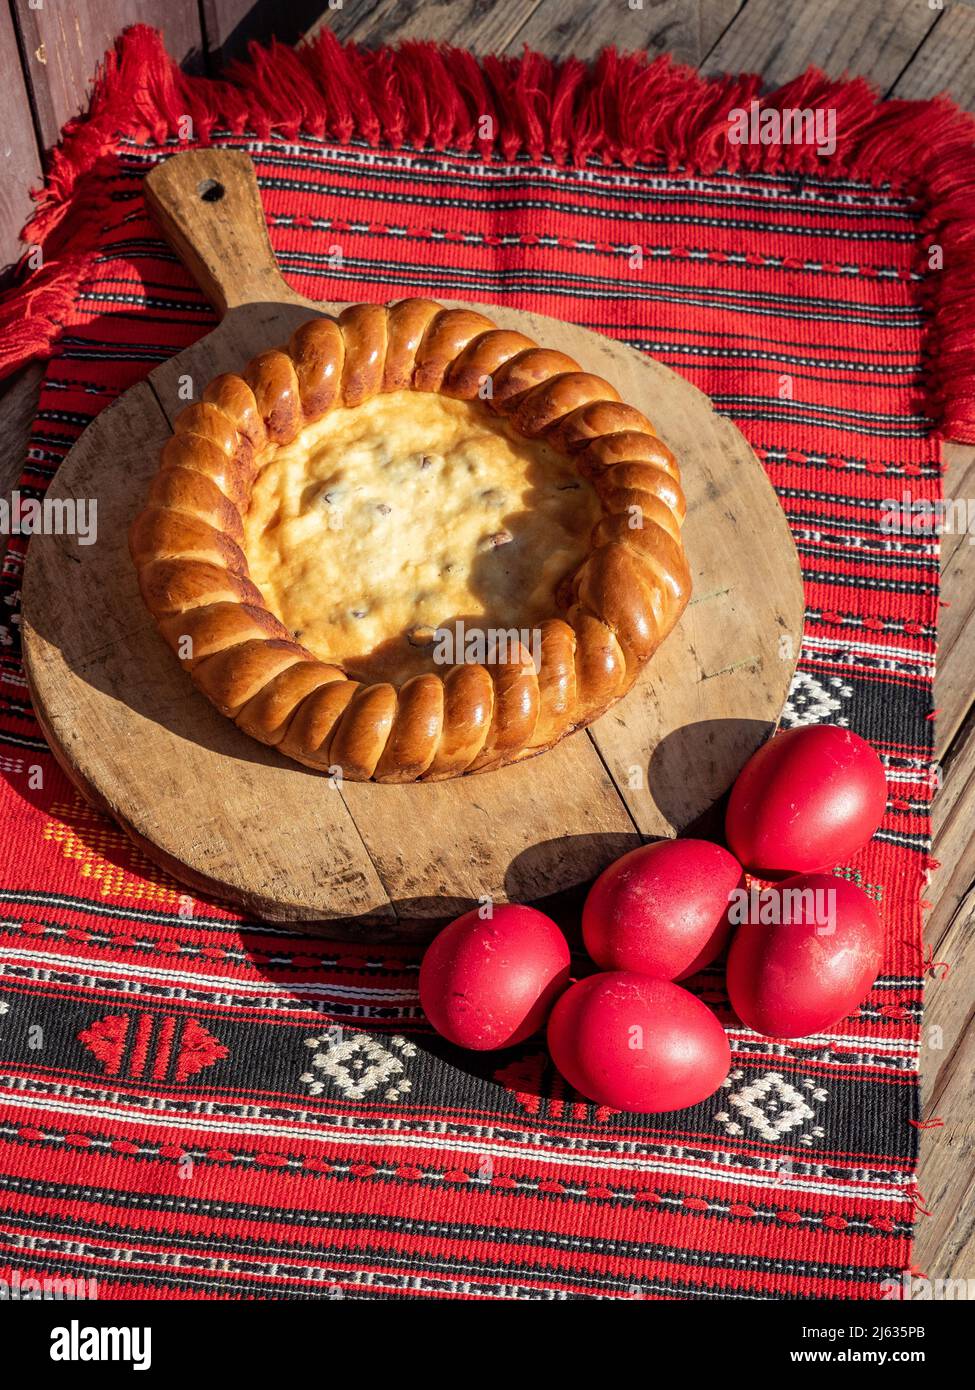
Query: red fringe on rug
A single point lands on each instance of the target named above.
(620, 109)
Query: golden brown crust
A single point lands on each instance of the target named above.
(617, 607)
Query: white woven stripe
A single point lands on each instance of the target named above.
(720, 1167)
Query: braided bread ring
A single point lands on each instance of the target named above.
(617, 607)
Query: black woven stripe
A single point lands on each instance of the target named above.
(414, 1227)
(360, 153)
(745, 340)
(439, 1089)
(192, 950)
(372, 1285)
(553, 281)
(46, 1189)
(650, 190)
(840, 549)
(873, 584)
(95, 908)
(659, 347)
(68, 985)
(35, 745)
(488, 206)
(394, 171)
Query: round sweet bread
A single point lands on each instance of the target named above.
(412, 545)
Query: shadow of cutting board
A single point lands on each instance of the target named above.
(225, 815)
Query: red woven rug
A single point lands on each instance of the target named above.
(179, 1115)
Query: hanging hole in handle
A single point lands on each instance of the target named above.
(210, 190)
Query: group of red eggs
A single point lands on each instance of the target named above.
(805, 952)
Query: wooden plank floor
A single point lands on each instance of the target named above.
(908, 48)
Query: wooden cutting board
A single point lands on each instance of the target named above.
(227, 816)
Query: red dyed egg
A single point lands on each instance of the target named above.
(661, 910)
(634, 1043)
(490, 983)
(813, 964)
(806, 800)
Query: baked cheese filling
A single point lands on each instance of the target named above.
(381, 528)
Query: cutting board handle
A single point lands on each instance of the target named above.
(208, 207)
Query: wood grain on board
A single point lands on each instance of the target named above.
(945, 60)
(20, 156)
(781, 40)
(163, 763)
(18, 410)
(945, 1240)
(656, 763)
(64, 44)
(685, 28)
(483, 28)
